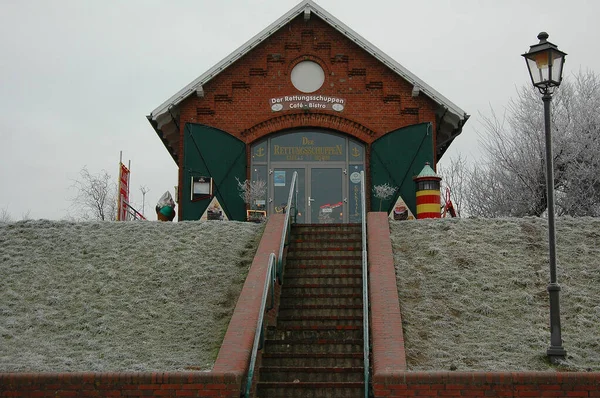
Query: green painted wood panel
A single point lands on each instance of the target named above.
(213, 153)
(396, 158)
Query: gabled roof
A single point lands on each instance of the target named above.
(449, 112)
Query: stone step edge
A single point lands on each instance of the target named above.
(287, 295)
(293, 249)
(324, 272)
(310, 384)
(321, 307)
(326, 231)
(321, 276)
(325, 266)
(320, 285)
(319, 317)
(348, 224)
(319, 328)
(295, 239)
(356, 256)
(334, 355)
(313, 369)
(320, 342)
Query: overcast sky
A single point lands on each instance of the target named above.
(79, 77)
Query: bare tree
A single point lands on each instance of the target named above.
(5, 215)
(511, 179)
(454, 180)
(26, 216)
(96, 197)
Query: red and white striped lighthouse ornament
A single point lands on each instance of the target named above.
(428, 193)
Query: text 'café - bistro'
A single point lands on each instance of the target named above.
(326, 103)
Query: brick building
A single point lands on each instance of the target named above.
(306, 94)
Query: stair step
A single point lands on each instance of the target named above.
(329, 262)
(308, 389)
(323, 280)
(330, 239)
(302, 228)
(314, 346)
(355, 272)
(317, 266)
(327, 237)
(352, 359)
(313, 334)
(311, 374)
(334, 294)
(316, 322)
(332, 311)
(319, 306)
(334, 285)
(317, 233)
(320, 289)
(319, 326)
(318, 318)
(343, 276)
(324, 298)
(295, 252)
(329, 244)
(339, 256)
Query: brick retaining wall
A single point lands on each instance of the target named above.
(88, 384)
(487, 384)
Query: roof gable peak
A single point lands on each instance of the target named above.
(307, 7)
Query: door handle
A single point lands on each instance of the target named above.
(310, 200)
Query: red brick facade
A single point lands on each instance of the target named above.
(236, 100)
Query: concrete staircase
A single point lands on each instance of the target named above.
(316, 349)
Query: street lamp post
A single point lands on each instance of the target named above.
(545, 63)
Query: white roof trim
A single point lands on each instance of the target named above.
(335, 23)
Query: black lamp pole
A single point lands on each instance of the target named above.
(545, 63)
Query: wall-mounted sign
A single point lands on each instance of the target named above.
(214, 211)
(401, 211)
(355, 177)
(308, 146)
(307, 102)
(201, 188)
(123, 192)
(279, 178)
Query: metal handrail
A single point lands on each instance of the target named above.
(274, 270)
(259, 334)
(286, 225)
(365, 286)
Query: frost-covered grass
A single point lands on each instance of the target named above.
(473, 292)
(109, 296)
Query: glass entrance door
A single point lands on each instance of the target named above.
(326, 195)
(282, 179)
(328, 165)
(322, 193)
